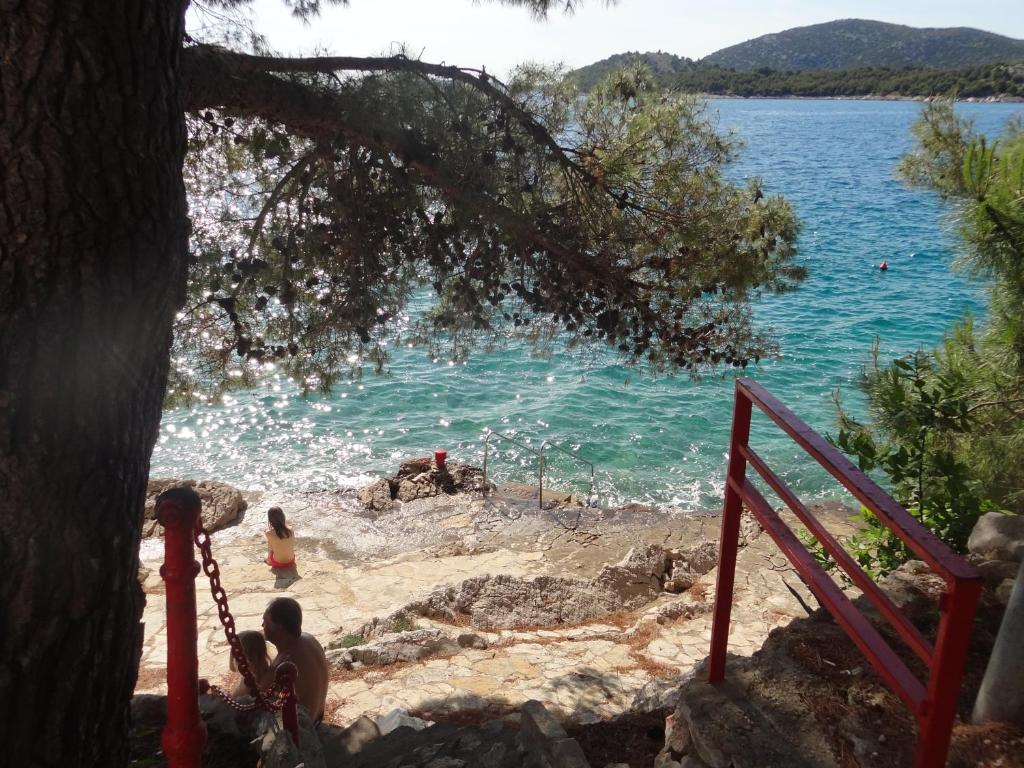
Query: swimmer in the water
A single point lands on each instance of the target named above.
(883, 266)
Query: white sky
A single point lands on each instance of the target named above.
(471, 33)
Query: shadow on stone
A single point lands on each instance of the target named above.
(285, 577)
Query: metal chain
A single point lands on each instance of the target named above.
(278, 694)
(275, 697)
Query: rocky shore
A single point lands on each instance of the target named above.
(444, 605)
(593, 612)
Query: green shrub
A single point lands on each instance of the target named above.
(919, 414)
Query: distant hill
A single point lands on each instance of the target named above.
(858, 43)
(664, 66)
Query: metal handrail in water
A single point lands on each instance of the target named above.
(540, 455)
(502, 436)
(570, 454)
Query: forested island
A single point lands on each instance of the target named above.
(853, 58)
(1002, 82)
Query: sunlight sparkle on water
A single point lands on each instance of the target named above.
(657, 440)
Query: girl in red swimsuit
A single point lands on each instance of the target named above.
(280, 540)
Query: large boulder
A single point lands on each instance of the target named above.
(420, 479)
(377, 496)
(399, 718)
(341, 744)
(222, 503)
(276, 748)
(637, 578)
(998, 537)
(688, 565)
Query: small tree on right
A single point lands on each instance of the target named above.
(947, 426)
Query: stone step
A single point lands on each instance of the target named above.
(539, 742)
(728, 730)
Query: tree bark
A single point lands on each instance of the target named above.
(93, 244)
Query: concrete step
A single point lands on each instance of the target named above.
(728, 730)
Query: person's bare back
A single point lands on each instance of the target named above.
(282, 626)
(311, 682)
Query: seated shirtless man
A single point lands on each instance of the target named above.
(282, 626)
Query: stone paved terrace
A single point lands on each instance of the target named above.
(582, 673)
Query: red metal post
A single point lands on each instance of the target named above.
(729, 539)
(958, 605)
(184, 735)
(440, 457)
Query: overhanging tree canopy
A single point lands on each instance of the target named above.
(326, 189)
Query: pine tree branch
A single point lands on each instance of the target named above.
(240, 64)
(211, 80)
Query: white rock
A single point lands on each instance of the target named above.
(998, 537)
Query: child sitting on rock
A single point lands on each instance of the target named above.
(255, 648)
(280, 541)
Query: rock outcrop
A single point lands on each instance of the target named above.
(513, 602)
(396, 647)
(686, 566)
(222, 503)
(997, 547)
(420, 479)
(998, 537)
(539, 742)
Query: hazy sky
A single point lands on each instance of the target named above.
(473, 33)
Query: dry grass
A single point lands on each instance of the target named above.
(331, 707)
(993, 744)
(383, 672)
(620, 619)
(642, 636)
(699, 591)
(459, 620)
(151, 677)
(633, 739)
(652, 667)
(644, 633)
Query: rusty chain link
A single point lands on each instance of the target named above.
(272, 699)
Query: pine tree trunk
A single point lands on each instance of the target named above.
(93, 241)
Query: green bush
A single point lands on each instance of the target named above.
(919, 413)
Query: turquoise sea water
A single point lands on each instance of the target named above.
(659, 440)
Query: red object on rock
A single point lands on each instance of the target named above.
(184, 736)
(439, 458)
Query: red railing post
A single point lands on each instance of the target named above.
(184, 736)
(952, 641)
(934, 705)
(729, 538)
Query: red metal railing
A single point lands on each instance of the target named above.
(184, 736)
(934, 701)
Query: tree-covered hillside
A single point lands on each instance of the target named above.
(970, 82)
(857, 43)
(662, 65)
(981, 81)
